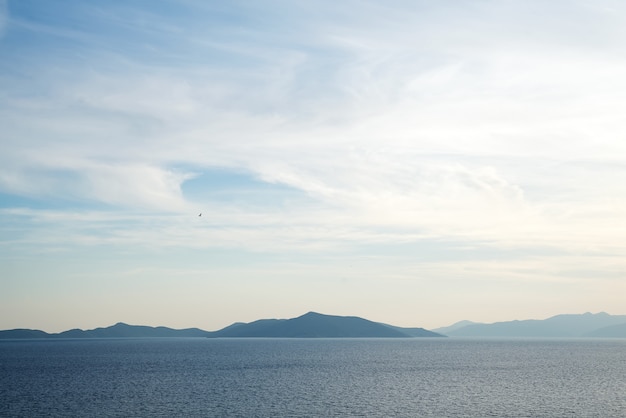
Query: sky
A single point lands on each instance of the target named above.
(410, 162)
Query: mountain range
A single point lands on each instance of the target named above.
(119, 330)
(560, 326)
(316, 325)
(310, 325)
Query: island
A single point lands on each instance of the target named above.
(309, 325)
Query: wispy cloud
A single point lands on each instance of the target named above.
(400, 115)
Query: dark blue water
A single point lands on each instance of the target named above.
(313, 378)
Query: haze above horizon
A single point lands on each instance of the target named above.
(418, 163)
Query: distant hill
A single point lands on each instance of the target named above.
(316, 325)
(310, 325)
(450, 328)
(119, 330)
(23, 334)
(416, 332)
(571, 325)
(613, 331)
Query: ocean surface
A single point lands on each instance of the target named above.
(313, 378)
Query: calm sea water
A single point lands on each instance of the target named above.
(313, 378)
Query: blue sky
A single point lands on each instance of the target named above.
(411, 162)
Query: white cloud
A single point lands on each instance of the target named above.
(458, 122)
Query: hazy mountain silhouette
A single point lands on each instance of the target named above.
(416, 332)
(316, 325)
(571, 325)
(613, 331)
(447, 330)
(309, 325)
(23, 334)
(119, 330)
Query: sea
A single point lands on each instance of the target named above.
(418, 377)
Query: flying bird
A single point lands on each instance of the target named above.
(200, 214)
